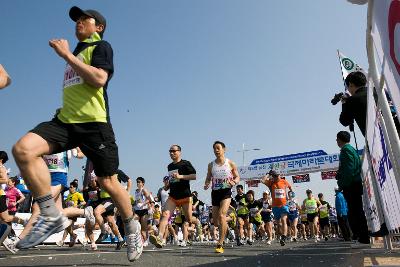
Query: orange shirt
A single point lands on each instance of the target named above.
(278, 192)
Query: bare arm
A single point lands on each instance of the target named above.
(236, 177)
(5, 79)
(129, 185)
(208, 178)
(93, 76)
(184, 177)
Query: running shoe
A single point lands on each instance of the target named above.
(101, 238)
(10, 244)
(250, 241)
(72, 240)
(156, 241)
(134, 244)
(326, 238)
(120, 244)
(45, 227)
(269, 242)
(219, 249)
(60, 243)
(282, 240)
(183, 243)
(89, 215)
(93, 246)
(294, 240)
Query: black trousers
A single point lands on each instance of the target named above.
(344, 227)
(356, 214)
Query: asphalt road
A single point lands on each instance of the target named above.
(306, 253)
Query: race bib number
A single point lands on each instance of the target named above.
(292, 206)
(70, 203)
(279, 193)
(253, 211)
(71, 77)
(93, 195)
(171, 178)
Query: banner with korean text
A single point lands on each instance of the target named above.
(290, 165)
(382, 166)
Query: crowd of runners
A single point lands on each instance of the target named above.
(82, 127)
(175, 215)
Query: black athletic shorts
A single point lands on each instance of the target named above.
(218, 195)
(3, 204)
(311, 216)
(323, 222)
(109, 207)
(95, 139)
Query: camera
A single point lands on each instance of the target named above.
(338, 97)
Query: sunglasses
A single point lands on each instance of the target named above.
(173, 151)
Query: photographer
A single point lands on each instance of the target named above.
(355, 106)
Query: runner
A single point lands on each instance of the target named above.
(293, 215)
(74, 199)
(5, 218)
(180, 173)
(141, 207)
(267, 216)
(222, 174)
(242, 214)
(255, 218)
(278, 188)
(82, 121)
(324, 216)
(303, 223)
(14, 196)
(311, 206)
(333, 222)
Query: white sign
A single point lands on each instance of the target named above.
(369, 198)
(292, 167)
(382, 166)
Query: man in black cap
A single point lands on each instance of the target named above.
(83, 121)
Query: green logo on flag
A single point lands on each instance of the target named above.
(348, 64)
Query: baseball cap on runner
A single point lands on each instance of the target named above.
(273, 173)
(166, 178)
(75, 13)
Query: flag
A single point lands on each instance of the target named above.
(348, 66)
(328, 175)
(301, 178)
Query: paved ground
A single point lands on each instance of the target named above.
(331, 253)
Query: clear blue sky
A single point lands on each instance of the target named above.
(192, 72)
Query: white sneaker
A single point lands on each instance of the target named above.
(145, 243)
(269, 242)
(134, 244)
(183, 243)
(9, 244)
(89, 215)
(60, 243)
(93, 246)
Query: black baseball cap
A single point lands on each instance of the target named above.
(75, 13)
(273, 173)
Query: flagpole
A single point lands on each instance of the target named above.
(341, 69)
